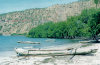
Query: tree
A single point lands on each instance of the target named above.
(96, 2)
(94, 24)
(91, 17)
(76, 27)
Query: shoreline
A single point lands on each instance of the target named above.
(56, 60)
(76, 38)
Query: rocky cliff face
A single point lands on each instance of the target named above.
(20, 22)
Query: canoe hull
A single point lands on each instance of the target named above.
(23, 52)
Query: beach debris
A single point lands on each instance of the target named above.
(50, 40)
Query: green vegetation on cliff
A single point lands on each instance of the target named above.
(87, 24)
(20, 22)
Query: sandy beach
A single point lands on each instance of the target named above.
(91, 59)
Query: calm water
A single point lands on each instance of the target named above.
(8, 43)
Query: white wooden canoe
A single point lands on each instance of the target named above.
(23, 52)
(28, 42)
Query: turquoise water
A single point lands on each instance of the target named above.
(8, 43)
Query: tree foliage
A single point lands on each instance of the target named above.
(96, 2)
(85, 25)
(92, 18)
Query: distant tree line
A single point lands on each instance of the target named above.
(87, 25)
